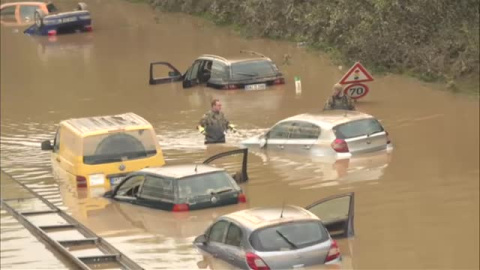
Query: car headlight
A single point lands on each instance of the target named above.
(96, 179)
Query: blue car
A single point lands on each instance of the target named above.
(53, 22)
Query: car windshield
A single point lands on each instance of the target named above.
(206, 184)
(253, 69)
(119, 146)
(289, 236)
(357, 128)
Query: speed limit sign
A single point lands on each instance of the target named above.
(356, 91)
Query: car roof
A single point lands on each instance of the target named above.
(330, 118)
(22, 3)
(101, 124)
(182, 171)
(236, 58)
(259, 217)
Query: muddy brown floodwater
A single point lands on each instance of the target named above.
(416, 208)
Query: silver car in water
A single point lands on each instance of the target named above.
(337, 134)
(281, 238)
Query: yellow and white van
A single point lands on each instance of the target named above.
(100, 151)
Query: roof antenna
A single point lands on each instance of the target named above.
(283, 207)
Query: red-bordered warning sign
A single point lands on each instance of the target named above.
(356, 91)
(357, 73)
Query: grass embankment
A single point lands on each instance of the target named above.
(436, 41)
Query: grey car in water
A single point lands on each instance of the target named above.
(281, 238)
(337, 134)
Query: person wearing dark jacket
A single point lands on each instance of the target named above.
(338, 100)
(214, 124)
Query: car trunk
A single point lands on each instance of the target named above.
(367, 143)
(362, 136)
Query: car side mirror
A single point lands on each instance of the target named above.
(263, 140)
(47, 145)
(201, 240)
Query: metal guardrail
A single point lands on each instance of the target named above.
(110, 253)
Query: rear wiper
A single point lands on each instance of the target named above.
(221, 191)
(245, 74)
(286, 239)
(373, 132)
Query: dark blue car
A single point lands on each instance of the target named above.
(54, 22)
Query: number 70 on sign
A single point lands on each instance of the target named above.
(356, 90)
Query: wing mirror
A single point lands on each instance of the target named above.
(201, 240)
(263, 140)
(47, 145)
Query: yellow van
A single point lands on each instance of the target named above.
(100, 151)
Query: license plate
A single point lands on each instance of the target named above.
(71, 19)
(116, 180)
(260, 86)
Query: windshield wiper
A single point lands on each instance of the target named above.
(223, 190)
(286, 239)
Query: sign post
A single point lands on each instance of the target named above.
(354, 76)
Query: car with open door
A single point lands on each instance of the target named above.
(281, 238)
(338, 134)
(249, 71)
(183, 187)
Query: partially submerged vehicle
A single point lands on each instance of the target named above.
(47, 18)
(102, 150)
(337, 133)
(183, 187)
(286, 237)
(249, 71)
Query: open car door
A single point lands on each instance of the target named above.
(172, 76)
(336, 213)
(240, 176)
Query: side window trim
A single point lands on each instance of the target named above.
(115, 192)
(224, 232)
(232, 224)
(303, 125)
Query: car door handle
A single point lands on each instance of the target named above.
(281, 146)
(307, 147)
(231, 258)
(58, 160)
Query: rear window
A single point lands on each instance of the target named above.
(358, 128)
(206, 184)
(253, 69)
(289, 236)
(119, 146)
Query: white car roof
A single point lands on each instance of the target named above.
(181, 171)
(329, 119)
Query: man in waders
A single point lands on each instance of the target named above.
(214, 124)
(339, 101)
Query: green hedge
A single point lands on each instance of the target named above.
(431, 39)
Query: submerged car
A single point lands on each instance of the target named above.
(253, 71)
(47, 18)
(100, 151)
(338, 134)
(183, 187)
(281, 238)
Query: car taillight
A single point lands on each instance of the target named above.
(231, 86)
(81, 181)
(279, 81)
(89, 28)
(340, 146)
(52, 33)
(242, 198)
(333, 253)
(180, 207)
(388, 139)
(255, 262)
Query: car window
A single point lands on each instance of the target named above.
(27, 11)
(280, 131)
(253, 69)
(119, 146)
(157, 188)
(217, 231)
(205, 184)
(357, 128)
(234, 235)
(8, 11)
(219, 71)
(304, 130)
(193, 72)
(56, 141)
(288, 236)
(130, 186)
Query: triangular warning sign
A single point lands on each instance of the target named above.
(357, 73)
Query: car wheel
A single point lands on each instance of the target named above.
(82, 6)
(38, 17)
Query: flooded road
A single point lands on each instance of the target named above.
(415, 208)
